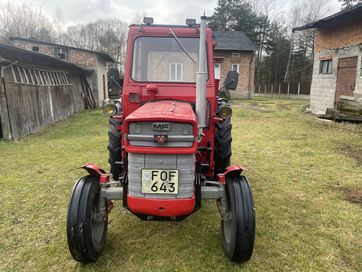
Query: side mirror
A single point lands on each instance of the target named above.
(231, 81)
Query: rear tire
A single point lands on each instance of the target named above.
(238, 222)
(86, 228)
(222, 150)
(115, 147)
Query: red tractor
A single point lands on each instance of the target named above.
(169, 144)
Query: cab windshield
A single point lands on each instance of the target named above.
(161, 59)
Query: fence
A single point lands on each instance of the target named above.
(299, 90)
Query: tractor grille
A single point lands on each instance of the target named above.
(178, 134)
(184, 163)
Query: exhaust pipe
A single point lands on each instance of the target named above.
(201, 80)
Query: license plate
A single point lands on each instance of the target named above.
(156, 181)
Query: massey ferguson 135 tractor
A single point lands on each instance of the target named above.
(169, 144)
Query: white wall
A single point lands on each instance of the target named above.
(101, 70)
(323, 89)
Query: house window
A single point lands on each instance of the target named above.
(235, 67)
(326, 67)
(61, 53)
(217, 70)
(175, 71)
(35, 48)
(235, 55)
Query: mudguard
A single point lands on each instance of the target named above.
(232, 169)
(95, 170)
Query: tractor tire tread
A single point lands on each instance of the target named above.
(222, 145)
(115, 147)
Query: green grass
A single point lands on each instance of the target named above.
(298, 166)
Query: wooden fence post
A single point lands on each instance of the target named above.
(279, 89)
(298, 90)
(272, 90)
(288, 89)
(259, 89)
(5, 124)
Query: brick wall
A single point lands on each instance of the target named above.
(44, 49)
(346, 33)
(158, 68)
(246, 64)
(86, 60)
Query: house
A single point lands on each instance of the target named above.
(37, 90)
(235, 51)
(93, 61)
(337, 71)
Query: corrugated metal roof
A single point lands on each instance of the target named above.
(233, 40)
(357, 9)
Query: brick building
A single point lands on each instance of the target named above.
(235, 51)
(337, 71)
(92, 61)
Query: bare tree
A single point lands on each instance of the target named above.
(305, 12)
(24, 20)
(58, 23)
(138, 18)
(108, 36)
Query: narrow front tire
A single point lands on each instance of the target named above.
(86, 226)
(238, 219)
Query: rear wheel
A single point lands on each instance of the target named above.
(238, 219)
(222, 151)
(115, 147)
(86, 226)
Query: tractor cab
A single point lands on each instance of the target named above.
(169, 144)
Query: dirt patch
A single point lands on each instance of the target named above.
(353, 195)
(251, 107)
(353, 151)
(283, 107)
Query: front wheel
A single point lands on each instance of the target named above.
(86, 225)
(238, 219)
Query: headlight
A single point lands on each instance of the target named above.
(225, 112)
(109, 108)
(223, 108)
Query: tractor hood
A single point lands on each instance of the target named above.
(165, 110)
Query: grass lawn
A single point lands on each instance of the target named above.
(306, 176)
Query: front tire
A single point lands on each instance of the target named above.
(238, 220)
(86, 227)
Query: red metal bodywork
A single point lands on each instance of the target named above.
(161, 207)
(95, 170)
(164, 110)
(168, 108)
(147, 91)
(230, 170)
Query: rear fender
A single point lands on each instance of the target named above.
(95, 170)
(231, 170)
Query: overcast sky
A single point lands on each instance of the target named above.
(163, 11)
